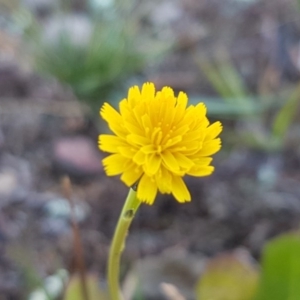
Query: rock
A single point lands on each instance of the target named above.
(76, 156)
(57, 215)
(269, 171)
(59, 208)
(16, 178)
(8, 182)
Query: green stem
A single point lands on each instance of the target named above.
(118, 243)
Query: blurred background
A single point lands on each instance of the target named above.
(60, 60)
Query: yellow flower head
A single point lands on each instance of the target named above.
(157, 140)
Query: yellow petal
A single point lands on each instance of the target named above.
(147, 190)
(133, 96)
(133, 127)
(179, 190)
(180, 130)
(148, 149)
(210, 147)
(213, 131)
(136, 139)
(173, 141)
(110, 143)
(167, 92)
(139, 158)
(124, 107)
(154, 109)
(194, 135)
(147, 124)
(169, 161)
(168, 120)
(131, 176)
(152, 164)
(183, 161)
(188, 148)
(200, 171)
(108, 113)
(200, 110)
(202, 161)
(113, 119)
(114, 164)
(148, 90)
(127, 151)
(182, 101)
(139, 111)
(164, 180)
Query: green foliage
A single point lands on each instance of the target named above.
(96, 67)
(285, 115)
(92, 71)
(22, 255)
(281, 269)
(228, 277)
(230, 110)
(225, 79)
(74, 289)
(237, 103)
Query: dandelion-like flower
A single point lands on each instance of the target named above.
(157, 141)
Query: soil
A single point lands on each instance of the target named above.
(252, 196)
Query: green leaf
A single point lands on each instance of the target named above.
(280, 278)
(228, 277)
(286, 115)
(74, 289)
(213, 75)
(233, 80)
(217, 107)
(226, 80)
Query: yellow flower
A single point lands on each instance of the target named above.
(157, 140)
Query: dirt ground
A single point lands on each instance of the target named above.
(45, 134)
